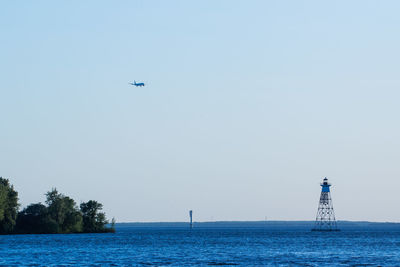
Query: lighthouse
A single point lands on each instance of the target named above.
(325, 220)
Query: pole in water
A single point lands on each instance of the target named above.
(191, 219)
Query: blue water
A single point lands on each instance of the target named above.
(203, 247)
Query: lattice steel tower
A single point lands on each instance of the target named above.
(325, 220)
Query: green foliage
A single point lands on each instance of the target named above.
(64, 212)
(35, 219)
(3, 201)
(8, 206)
(93, 219)
(59, 215)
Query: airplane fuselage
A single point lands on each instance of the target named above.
(137, 84)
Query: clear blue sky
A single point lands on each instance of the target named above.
(247, 106)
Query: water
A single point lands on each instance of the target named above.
(203, 247)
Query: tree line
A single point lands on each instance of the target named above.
(59, 214)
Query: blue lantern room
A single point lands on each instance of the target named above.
(325, 185)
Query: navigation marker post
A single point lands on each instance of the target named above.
(191, 219)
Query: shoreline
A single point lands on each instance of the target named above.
(268, 225)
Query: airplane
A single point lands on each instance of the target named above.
(136, 84)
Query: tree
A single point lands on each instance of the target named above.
(35, 219)
(64, 212)
(8, 206)
(93, 219)
(59, 215)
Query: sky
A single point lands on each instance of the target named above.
(248, 105)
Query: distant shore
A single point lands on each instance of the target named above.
(268, 225)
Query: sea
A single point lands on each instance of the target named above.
(147, 245)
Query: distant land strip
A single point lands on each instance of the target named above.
(267, 225)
